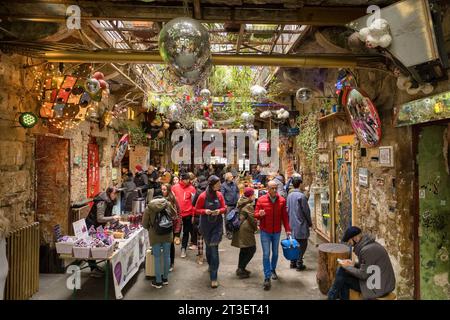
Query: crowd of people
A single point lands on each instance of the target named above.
(190, 208)
(198, 203)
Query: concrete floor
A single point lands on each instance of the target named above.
(191, 281)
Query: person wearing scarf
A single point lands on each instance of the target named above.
(211, 207)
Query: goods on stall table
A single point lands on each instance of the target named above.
(82, 249)
(65, 245)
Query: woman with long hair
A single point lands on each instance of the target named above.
(166, 190)
(211, 207)
(4, 232)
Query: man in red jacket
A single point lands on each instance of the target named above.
(271, 211)
(184, 191)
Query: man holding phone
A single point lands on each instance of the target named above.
(271, 212)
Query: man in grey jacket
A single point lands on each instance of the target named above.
(279, 180)
(373, 275)
(299, 220)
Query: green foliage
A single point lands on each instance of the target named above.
(137, 135)
(236, 81)
(309, 136)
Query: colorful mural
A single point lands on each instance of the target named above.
(434, 204)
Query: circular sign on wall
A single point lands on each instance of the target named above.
(363, 115)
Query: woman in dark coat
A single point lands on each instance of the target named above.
(244, 238)
(211, 207)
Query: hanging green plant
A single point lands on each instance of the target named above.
(308, 137)
(137, 135)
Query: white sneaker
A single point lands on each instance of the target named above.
(183, 253)
(192, 247)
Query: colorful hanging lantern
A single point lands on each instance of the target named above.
(28, 120)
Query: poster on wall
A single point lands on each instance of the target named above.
(140, 155)
(386, 156)
(363, 177)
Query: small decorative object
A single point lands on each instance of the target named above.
(103, 84)
(386, 156)
(377, 34)
(247, 117)
(98, 75)
(92, 86)
(266, 114)
(184, 44)
(205, 93)
(339, 152)
(282, 114)
(28, 120)
(405, 83)
(258, 92)
(363, 177)
(303, 95)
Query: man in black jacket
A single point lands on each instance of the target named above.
(373, 275)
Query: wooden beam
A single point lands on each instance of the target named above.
(197, 10)
(54, 11)
(280, 31)
(239, 39)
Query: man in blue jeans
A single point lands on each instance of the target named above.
(271, 211)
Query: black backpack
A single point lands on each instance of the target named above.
(163, 223)
(233, 222)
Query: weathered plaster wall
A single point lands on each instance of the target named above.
(17, 168)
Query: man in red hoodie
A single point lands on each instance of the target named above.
(184, 191)
(271, 212)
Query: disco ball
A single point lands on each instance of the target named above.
(92, 86)
(205, 93)
(303, 95)
(192, 77)
(184, 44)
(258, 92)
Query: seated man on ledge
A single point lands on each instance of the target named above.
(373, 275)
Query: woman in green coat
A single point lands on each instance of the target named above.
(159, 242)
(244, 238)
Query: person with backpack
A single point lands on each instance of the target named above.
(158, 220)
(211, 207)
(299, 220)
(230, 192)
(202, 184)
(244, 237)
(166, 190)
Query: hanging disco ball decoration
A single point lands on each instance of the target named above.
(92, 86)
(192, 77)
(184, 44)
(258, 92)
(205, 93)
(303, 95)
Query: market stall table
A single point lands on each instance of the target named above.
(124, 261)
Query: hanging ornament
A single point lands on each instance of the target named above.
(166, 125)
(247, 117)
(99, 76)
(303, 95)
(258, 92)
(184, 44)
(205, 93)
(103, 84)
(92, 86)
(265, 114)
(160, 134)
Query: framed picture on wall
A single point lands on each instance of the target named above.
(386, 156)
(347, 155)
(339, 152)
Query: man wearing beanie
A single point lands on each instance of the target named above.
(373, 261)
(271, 212)
(244, 238)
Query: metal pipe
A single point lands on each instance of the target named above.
(327, 61)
